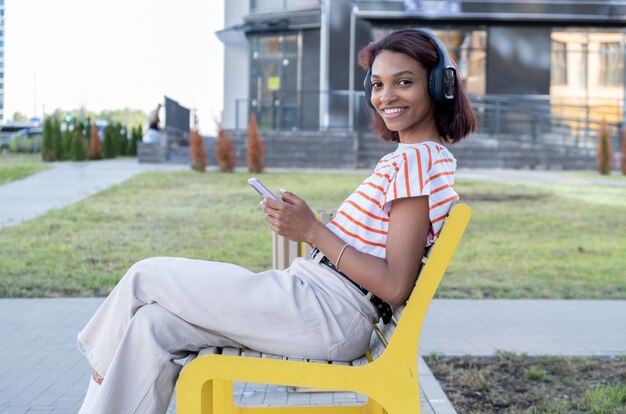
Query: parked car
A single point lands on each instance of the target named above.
(29, 137)
(27, 140)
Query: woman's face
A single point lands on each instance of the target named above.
(400, 96)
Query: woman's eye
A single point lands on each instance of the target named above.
(376, 85)
(404, 82)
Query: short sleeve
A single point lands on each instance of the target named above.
(412, 168)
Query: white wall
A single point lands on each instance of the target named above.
(236, 67)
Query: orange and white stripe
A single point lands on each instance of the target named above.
(424, 169)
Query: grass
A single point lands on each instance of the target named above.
(17, 166)
(84, 249)
(540, 241)
(520, 384)
(524, 241)
(592, 175)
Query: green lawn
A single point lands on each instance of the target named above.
(530, 241)
(17, 166)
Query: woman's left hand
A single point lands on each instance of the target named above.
(291, 218)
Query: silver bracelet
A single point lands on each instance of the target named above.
(340, 254)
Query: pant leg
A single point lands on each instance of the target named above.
(142, 374)
(307, 312)
(163, 280)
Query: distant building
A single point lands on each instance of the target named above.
(533, 68)
(1, 60)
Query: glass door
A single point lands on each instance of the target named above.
(274, 80)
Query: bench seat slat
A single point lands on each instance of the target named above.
(231, 351)
(212, 350)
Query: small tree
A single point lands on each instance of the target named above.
(256, 150)
(115, 138)
(95, 148)
(604, 155)
(78, 146)
(47, 150)
(122, 143)
(224, 150)
(135, 136)
(67, 134)
(197, 151)
(108, 142)
(623, 163)
(57, 141)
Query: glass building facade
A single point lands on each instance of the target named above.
(564, 58)
(1, 60)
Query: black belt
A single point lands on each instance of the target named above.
(383, 308)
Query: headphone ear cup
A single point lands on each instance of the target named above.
(432, 87)
(367, 86)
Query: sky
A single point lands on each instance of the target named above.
(112, 54)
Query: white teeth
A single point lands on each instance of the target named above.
(390, 111)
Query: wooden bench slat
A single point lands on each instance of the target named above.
(250, 353)
(272, 356)
(209, 351)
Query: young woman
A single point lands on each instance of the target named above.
(366, 259)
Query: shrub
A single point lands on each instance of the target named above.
(47, 150)
(256, 150)
(197, 151)
(20, 143)
(135, 136)
(108, 142)
(115, 139)
(225, 151)
(66, 142)
(78, 146)
(57, 141)
(604, 156)
(95, 147)
(122, 140)
(624, 151)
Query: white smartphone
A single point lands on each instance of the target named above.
(261, 189)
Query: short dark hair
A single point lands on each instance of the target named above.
(455, 119)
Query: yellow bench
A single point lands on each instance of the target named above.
(387, 374)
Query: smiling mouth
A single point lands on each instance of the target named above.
(393, 111)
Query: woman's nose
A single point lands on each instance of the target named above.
(386, 96)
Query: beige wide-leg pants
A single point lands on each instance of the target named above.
(165, 308)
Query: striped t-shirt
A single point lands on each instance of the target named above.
(425, 168)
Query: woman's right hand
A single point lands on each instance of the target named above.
(291, 218)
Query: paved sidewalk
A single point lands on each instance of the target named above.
(532, 326)
(66, 183)
(43, 371)
(547, 176)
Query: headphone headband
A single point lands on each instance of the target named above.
(441, 77)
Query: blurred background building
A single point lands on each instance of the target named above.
(543, 75)
(1, 60)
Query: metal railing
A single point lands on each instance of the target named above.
(546, 119)
(504, 117)
(262, 6)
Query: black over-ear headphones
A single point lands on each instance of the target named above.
(441, 77)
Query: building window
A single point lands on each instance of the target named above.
(611, 64)
(274, 80)
(559, 63)
(269, 5)
(468, 49)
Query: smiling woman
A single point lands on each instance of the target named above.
(323, 307)
(411, 69)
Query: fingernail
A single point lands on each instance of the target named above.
(282, 190)
(262, 203)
